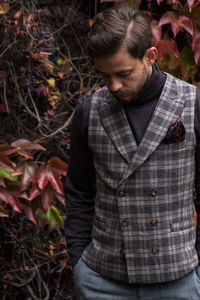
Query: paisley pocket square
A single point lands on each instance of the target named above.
(175, 133)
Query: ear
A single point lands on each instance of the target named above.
(151, 55)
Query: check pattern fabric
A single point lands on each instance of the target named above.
(143, 228)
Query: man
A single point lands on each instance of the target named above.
(133, 170)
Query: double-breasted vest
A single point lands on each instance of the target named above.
(143, 228)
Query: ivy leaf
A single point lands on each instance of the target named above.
(61, 198)
(166, 46)
(54, 216)
(48, 196)
(59, 166)
(196, 47)
(186, 23)
(4, 8)
(51, 173)
(5, 173)
(30, 213)
(190, 4)
(197, 54)
(177, 22)
(10, 199)
(6, 163)
(25, 146)
(28, 171)
(7, 149)
(156, 31)
(34, 192)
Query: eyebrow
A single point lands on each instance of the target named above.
(121, 71)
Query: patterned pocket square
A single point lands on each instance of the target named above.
(175, 133)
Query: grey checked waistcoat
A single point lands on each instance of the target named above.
(143, 228)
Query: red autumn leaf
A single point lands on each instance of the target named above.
(10, 199)
(7, 149)
(196, 47)
(48, 196)
(61, 198)
(30, 212)
(197, 54)
(166, 46)
(190, 4)
(28, 171)
(45, 175)
(42, 178)
(196, 40)
(177, 22)
(5, 163)
(156, 31)
(57, 165)
(186, 23)
(2, 182)
(24, 146)
(34, 192)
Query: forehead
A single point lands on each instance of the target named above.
(121, 60)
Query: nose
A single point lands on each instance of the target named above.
(115, 85)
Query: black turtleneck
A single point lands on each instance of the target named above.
(139, 113)
(80, 180)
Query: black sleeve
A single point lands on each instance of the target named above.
(197, 175)
(80, 182)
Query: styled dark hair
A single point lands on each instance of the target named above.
(121, 26)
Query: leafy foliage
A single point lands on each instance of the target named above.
(27, 185)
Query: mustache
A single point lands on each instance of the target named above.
(121, 94)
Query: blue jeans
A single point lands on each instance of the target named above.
(90, 285)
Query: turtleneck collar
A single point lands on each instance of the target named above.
(152, 88)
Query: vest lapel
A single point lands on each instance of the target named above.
(168, 109)
(116, 126)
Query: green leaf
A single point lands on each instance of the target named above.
(43, 220)
(54, 217)
(5, 173)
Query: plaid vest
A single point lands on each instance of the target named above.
(143, 228)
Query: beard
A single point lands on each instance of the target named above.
(132, 95)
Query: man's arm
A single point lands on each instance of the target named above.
(80, 182)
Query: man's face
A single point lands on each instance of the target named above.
(124, 75)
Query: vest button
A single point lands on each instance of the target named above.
(121, 194)
(155, 250)
(154, 193)
(154, 221)
(125, 223)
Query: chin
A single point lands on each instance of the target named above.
(127, 99)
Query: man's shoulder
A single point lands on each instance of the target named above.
(84, 106)
(179, 80)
